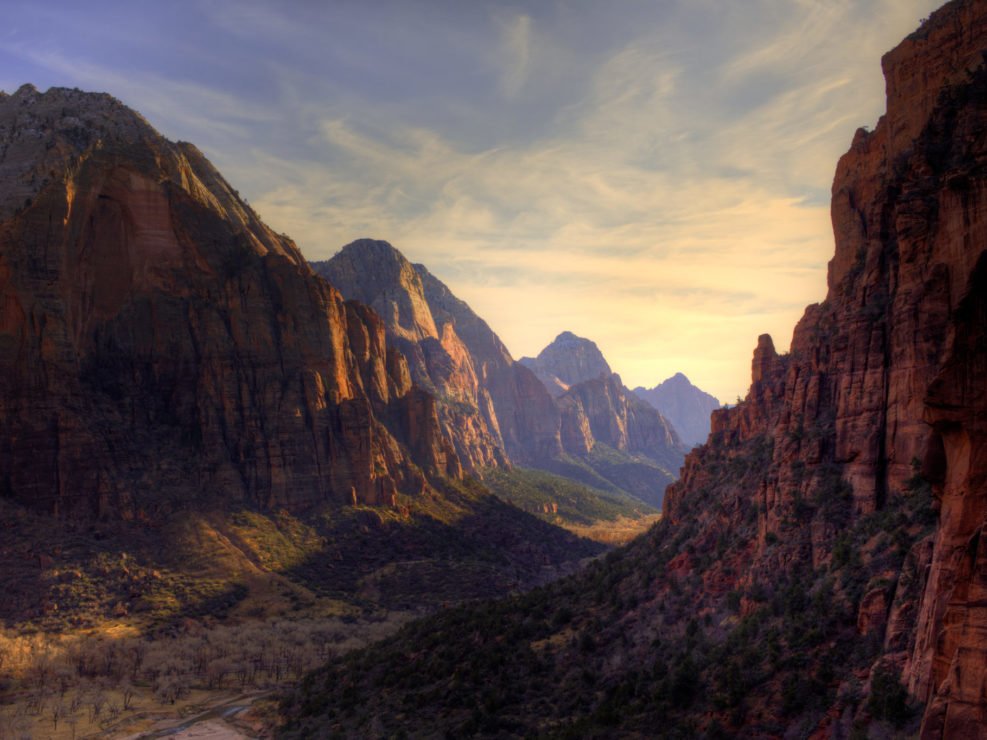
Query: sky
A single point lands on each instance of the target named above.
(651, 175)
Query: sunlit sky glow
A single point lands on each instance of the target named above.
(653, 175)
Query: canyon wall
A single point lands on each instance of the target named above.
(159, 344)
(887, 376)
(492, 409)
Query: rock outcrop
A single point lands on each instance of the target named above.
(160, 344)
(598, 408)
(686, 407)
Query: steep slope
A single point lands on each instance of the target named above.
(514, 402)
(148, 315)
(686, 407)
(622, 438)
(190, 418)
(567, 360)
(820, 568)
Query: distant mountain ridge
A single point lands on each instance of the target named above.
(574, 370)
(601, 435)
(687, 407)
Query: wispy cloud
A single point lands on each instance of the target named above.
(653, 176)
(516, 55)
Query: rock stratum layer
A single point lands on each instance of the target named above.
(159, 343)
(492, 409)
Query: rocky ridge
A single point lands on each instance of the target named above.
(686, 407)
(149, 315)
(887, 374)
(491, 408)
(597, 407)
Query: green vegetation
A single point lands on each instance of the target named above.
(437, 549)
(565, 502)
(617, 473)
(130, 617)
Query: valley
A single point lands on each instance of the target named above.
(246, 493)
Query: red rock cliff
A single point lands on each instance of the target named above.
(891, 369)
(159, 343)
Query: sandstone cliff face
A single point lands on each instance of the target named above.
(598, 410)
(512, 400)
(890, 369)
(159, 343)
(684, 405)
(609, 413)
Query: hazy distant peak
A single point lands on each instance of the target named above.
(687, 407)
(378, 246)
(568, 360)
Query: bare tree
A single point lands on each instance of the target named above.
(127, 691)
(96, 700)
(56, 711)
(170, 687)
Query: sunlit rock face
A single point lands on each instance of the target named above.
(160, 344)
(495, 410)
(891, 368)
(613, 415)
(491, 408)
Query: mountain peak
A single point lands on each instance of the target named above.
(158, 288)
(377, 247)
(568, 360)
(687, 407)
(42, 133)
(25, 90)
(375, 273)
